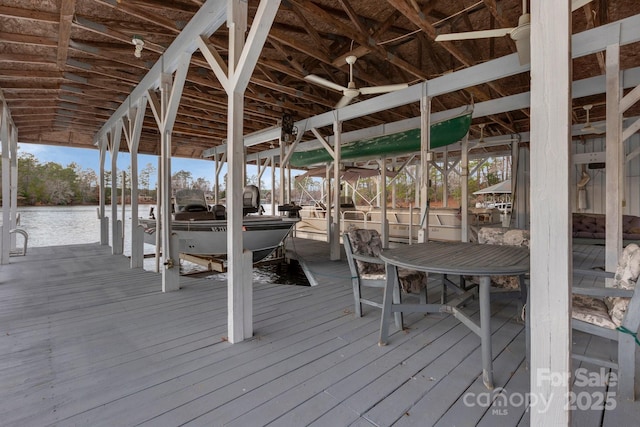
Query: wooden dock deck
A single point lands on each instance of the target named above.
(86, 341)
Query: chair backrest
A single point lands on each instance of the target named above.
(503, 236)
(366, 242)
(250, 199)
(219, 212)
(626, 277)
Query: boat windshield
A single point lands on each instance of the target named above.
(189, 197)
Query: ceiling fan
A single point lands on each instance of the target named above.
(588, 127)
(351, 91)
(520, 34)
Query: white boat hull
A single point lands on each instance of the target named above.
(261, 235)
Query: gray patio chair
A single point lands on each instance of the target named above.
(362, 248)
(504, 286)
(613, 313)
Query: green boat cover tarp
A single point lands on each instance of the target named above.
(442, 134)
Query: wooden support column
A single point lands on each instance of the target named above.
(464, 181)
(220, 162)
(425, 158)
(394, 186)
(13, 152)
(334, 238)
(13, 149)
(104, 220)
(551, 258)
(384, 224)
(328, 192)
(132, 126)
(273, 184)
(234, 78)
(614, 160)
(6, 178)
(116, 226)
(164, 111)
(216, 179)
(281, 193)
(445, 178)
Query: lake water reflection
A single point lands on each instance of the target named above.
(69, 225)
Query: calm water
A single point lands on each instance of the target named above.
(68, 225)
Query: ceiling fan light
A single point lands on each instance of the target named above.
(521, 35)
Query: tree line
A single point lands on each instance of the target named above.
(51, 183)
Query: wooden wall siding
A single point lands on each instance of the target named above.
(86, 341)
(596, 186)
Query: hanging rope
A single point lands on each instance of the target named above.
(627, 331)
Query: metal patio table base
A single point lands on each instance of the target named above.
(454, 258)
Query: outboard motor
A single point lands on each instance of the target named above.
(250, 200)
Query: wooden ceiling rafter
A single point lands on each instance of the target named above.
(58, 57)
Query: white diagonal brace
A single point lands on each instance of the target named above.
(635, 127)
(215, 61)
(324, 142)
(292, 149)
(255, 41)
(629, 99)
(176, 92)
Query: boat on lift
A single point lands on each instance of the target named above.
(202, 230)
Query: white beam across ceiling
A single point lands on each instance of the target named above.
(581, 88)
(585, 43)
(205, 22)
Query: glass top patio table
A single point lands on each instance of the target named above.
(456, 258)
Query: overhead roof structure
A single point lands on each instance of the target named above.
(66, 66)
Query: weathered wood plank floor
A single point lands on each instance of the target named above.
(84, 340)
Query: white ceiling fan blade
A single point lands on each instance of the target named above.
(498, 32)
(344, 101)
(324, 82)
(382, 89)
(591, 129)
(576, 4)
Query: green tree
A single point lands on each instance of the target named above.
(181, 179)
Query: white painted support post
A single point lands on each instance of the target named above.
(123, 195)
(104, 221)
(234, 78)
(116, 226)
(394, 186)
(164, 112)
(515, 181)
(417, 186)
(13, 153)
(550, 302)
(334, 238)
(464, 180)
(216, 180)
(445, 177)
(133, 123)
(384, 223)
(6, 178)
(328, 193)
(614, 160)
(158, 248)
(281, 195)
(273, 185)
(425, 157)
(289, 181)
